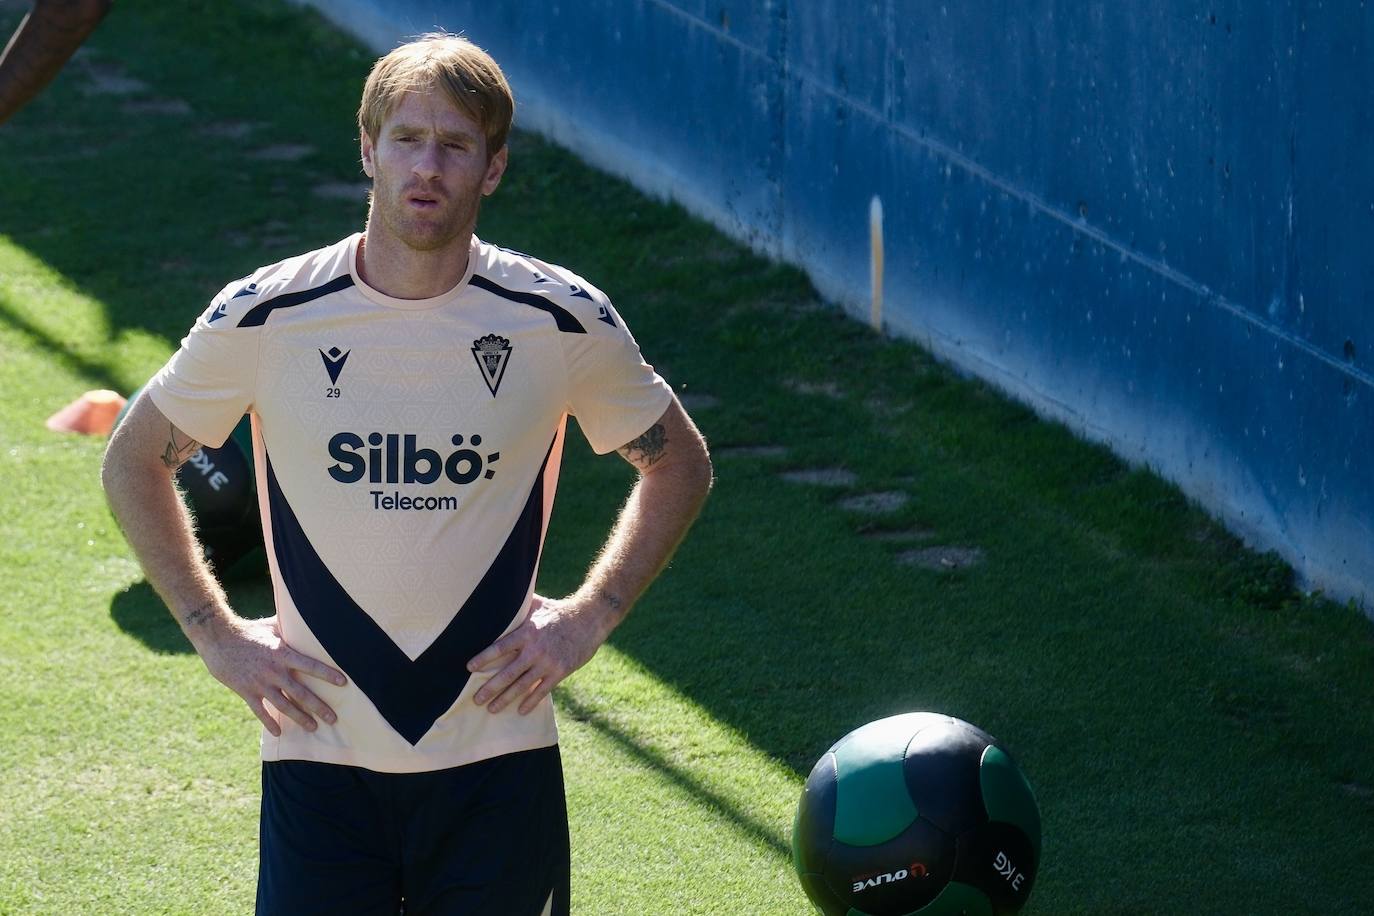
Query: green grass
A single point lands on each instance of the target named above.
(1198, 733)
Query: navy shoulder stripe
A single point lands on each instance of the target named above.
(255, 316)
(561, 316)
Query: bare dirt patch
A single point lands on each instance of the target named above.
(341, 190)
(875, 503)
(943, 558)
(821, 477)
(885, 409)
(903, 536)
(827, 389)
(104, 77)
(157, 106)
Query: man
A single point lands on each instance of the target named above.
(48, 35)
(408, 389)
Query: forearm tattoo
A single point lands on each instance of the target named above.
(648, 448)
(179, 447)
(200, 615)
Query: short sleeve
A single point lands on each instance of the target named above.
(208, 384)
(614, 394)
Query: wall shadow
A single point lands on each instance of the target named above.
(151, 173)
(752, 827)
(98, 373)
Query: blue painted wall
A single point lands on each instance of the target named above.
(1150, 219)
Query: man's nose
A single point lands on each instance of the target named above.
(427, 165)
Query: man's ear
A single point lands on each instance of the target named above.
(367, 151)
(495, 169)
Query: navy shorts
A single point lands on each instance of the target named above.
(486, 839)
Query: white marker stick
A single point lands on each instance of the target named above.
(875, 236)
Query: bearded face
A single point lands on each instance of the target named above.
(430, 171)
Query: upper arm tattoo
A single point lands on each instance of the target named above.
(179, 447)
(648, 448)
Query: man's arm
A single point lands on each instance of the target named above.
(49, 34)
(561, 636)
(247, 656)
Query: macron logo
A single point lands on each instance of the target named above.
(220, 311)
(334, 362)
(250, 290)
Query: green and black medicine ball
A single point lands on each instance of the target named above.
(919, 813)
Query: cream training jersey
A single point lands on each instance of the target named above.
(407, 453)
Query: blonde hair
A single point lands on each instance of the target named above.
(469, 76)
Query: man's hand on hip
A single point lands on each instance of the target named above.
(555, 640)
(250, 658)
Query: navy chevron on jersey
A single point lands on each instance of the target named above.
(407, 453)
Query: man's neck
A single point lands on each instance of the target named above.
(397, 270)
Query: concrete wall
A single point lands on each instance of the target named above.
(1150, 219)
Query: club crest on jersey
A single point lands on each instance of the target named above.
(492, 354)
(334, 362)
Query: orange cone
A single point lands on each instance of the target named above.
(93, 414)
